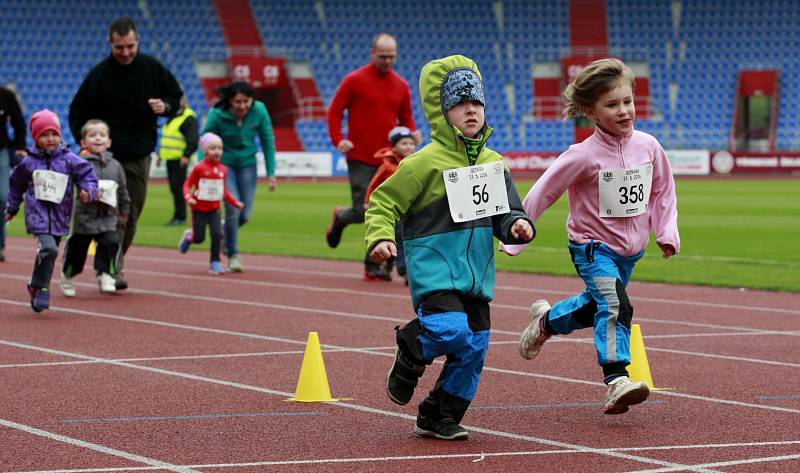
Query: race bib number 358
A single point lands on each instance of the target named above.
(625, 192)
(475, 192)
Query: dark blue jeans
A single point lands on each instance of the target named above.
(241, 183)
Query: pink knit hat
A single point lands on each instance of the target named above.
(42, 121)
(207, 138)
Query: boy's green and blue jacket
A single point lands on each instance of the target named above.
(441, 255)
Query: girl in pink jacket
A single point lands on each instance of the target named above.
(620, 186)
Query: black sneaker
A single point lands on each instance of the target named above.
(333, 234)
(120, 283)
(445, 429)
(402, 379)
(376, 274)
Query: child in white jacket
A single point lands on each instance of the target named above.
(620, 185)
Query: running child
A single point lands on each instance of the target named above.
(454, 195)
(401, 144)
(97, 220)
(45, 179)
(620, 187)
(203, 190)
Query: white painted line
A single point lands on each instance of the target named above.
(748, 461)
(348, 405)
(93, 446)
(434, 457)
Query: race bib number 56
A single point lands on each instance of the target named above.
(475, 192)
(625, 192)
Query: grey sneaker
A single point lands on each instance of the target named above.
(534, 336)
(235, 264)
(622, 392)
(445, 429)
(67, 286)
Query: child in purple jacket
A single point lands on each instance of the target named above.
(46, 177)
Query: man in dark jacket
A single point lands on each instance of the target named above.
(10, 151)
(128, 90)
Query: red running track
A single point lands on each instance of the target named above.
(190, 372)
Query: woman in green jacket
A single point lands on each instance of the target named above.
(238, 118)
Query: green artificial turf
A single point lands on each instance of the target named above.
(734, 232)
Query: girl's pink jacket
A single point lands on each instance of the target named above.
(577, 170)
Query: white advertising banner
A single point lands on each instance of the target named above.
(689, 162)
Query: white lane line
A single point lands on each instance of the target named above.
(434, 457)
(745, 330)
(372, 352)
(342, 314)
(748, 461)
(348, 405)
(534, 290)
(93, 446)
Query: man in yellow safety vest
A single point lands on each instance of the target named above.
(178, 144)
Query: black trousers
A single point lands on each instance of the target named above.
(176, 174)
(214, 222)
(77, 247)
(46, 252)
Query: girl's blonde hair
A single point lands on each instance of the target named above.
(594, 80)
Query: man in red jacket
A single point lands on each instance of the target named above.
(376, 99)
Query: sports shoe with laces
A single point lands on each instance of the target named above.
(333, 234)
(534, 336)
(445, 429)
(622, 392)
(235, 264)
(216, 268)
(40, 298)
(402, 378)
(186, 240)
(67, 286)
(106, 284)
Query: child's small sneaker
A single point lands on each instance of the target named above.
(216, 268)
(534, 336)
(67, 286)
(106, 283)
(333, 233)
(444, 429)
(40, 298)
(186, 240)
(622, 392)
(235, 264)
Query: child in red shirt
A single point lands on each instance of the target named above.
(203, 191)
(402, 143)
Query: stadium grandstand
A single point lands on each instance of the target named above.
(715, 75)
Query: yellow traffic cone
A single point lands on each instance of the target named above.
(312, 385)
(639, 369)
(92, 248)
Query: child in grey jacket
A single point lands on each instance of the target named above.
(97, 220)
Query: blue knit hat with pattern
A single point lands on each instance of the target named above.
(460, 85)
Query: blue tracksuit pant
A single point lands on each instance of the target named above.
(603, 305)
(452, 325)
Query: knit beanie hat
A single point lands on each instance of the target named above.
(459, 85)
(42, 121)
(207, 138)
(398, 133)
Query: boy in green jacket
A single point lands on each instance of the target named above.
(453, 196)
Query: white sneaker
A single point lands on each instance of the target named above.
(622, 392)
(106, 283)
(235, 264)
(534, 336)
(67, 286)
